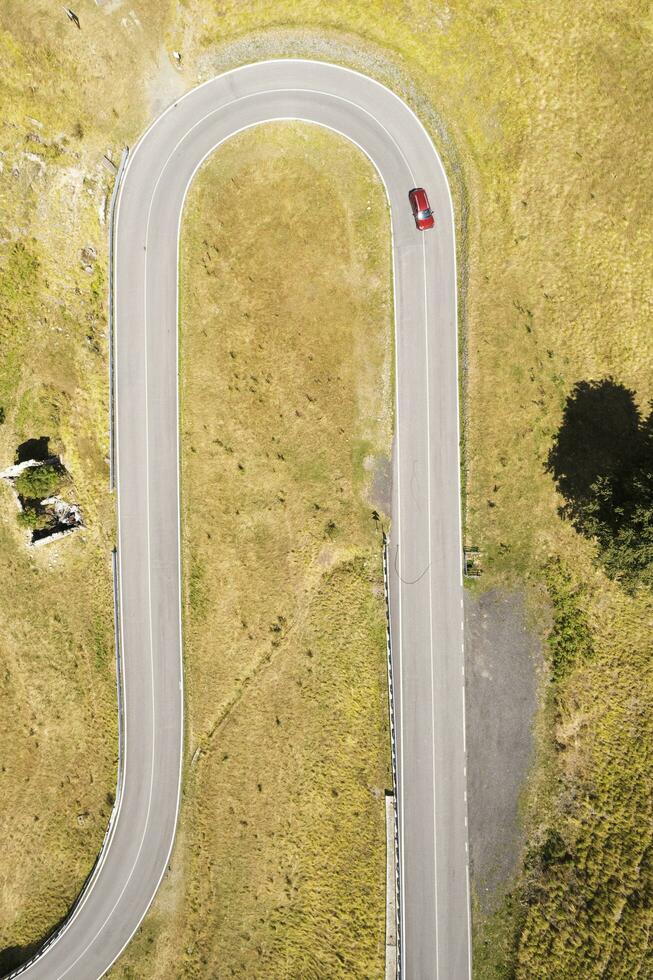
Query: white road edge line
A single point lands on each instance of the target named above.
(431, 651)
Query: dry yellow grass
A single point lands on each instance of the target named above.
(542, 113)
(58, 741)
(66, 98)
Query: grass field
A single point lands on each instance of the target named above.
(59, 728)
(542, 113)
(286, 359)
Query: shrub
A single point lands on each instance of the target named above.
(39, 482)
(570, 640)
(601, 463)
(33, 518)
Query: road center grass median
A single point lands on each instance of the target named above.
(286, 402)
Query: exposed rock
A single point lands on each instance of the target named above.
(13, 471)
(51, 517)
(109, 165)
(67, 514)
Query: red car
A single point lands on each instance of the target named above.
(422, 213)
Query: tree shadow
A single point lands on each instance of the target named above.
(38, 449)
(601, 461)
(14, 956)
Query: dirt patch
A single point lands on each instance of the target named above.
(167, 83)
(381, 490)
(502, 661)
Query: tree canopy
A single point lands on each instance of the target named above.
(602, 463)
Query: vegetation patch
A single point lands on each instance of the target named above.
(570, 639)
(37, 482)
(37, 485)
(602, 462)
(496, 938)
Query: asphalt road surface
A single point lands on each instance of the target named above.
(425, 546)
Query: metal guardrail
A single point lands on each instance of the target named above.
(120, 690)
(393, 752)
(111, 325)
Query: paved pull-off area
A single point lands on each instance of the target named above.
(425, 546)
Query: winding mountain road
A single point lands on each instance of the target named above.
(425, 545)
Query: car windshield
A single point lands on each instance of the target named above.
(424, 214)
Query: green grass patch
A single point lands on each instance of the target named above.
(496, 939)
(362, 449)
(33, 519)
(570, 638)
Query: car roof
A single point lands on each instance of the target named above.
(421, 200)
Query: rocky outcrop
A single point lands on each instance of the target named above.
(45, 518)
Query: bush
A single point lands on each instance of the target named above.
(39, 482)
(570, 640)
(601, 463)
(33, 519)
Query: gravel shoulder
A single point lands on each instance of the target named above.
(503, 657)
